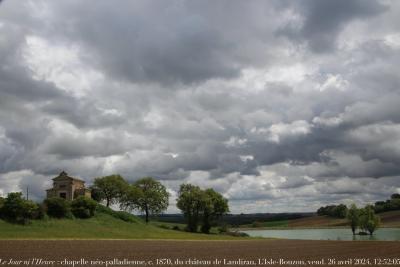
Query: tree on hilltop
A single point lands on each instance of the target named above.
(111, 188)
(146, 195)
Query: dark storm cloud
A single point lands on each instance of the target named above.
(149, 41)
(324, 20)
(87, 88)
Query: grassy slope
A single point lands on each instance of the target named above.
(102, 226)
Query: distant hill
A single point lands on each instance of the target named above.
(388, 219)
(308, 220)
(240, 219)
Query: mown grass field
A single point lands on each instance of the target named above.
(101, 226)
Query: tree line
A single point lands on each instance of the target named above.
(390, 204)
(16, 209)
(146, 195)
(200, 207)
(365, 218)
(337, 211)
(340, 211)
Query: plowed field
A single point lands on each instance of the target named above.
(194, 253)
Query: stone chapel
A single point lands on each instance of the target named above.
(68, 187)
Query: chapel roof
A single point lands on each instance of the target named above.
(63, 176)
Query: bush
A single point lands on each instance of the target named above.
(176, 228)
(83, 207)
(57, 207)
(18, 210)
(223, 228)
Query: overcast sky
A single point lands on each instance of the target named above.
(278, 105)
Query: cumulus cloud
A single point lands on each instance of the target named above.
(277, 105)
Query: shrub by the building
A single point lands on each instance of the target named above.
(57, 207)
(83, 207)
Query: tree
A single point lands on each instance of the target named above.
(353, 216)
(96, 194)
(395, 196)
(338, 211)
(57, 207)
(16, 209)
(368, 220)
(147, 195)
(191, 202)
(83, 207)
(205, 205)
(112, 187)
(214, 207)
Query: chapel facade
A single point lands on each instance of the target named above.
(68, 187)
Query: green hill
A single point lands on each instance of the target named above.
(388, 219)
(106, 224)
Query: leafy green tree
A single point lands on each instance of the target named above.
(83, 207)
(368, 220)
(96, 194)
(395, 196)
(191, 202)
(337, 211)
(353, 216)
(16, 209)
(111, 188)
(129, 201)
(57, 207)
(147, 195)
(201, 205)
(340, 211)
(214, 207)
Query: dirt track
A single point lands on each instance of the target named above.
(141, 250)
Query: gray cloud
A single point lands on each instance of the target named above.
(322, 21)
(206, 93)
(178, 42)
